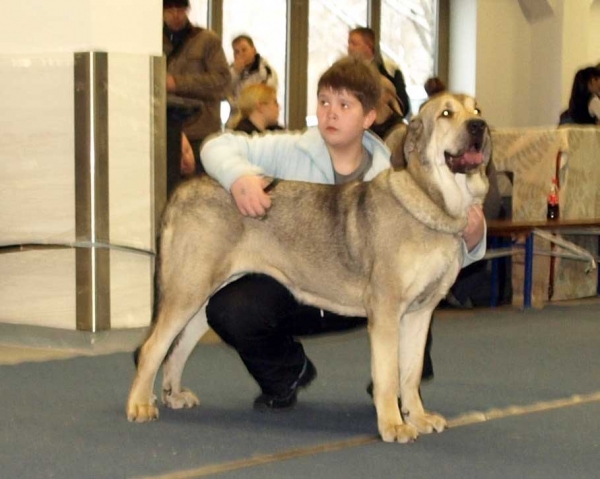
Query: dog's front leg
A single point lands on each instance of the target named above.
(413, 336)
(383, 332)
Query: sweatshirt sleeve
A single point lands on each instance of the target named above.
(476, 253)
(229, 156)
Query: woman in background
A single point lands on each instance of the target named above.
(584, 104)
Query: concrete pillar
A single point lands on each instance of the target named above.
(81, 161)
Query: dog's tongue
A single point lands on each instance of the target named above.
(466, 162)
(473, 158)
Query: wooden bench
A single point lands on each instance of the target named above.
(527, 229)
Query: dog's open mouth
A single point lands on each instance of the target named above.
(466, 160)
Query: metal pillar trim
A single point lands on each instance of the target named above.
(215, 16)
(91, 190)
(158, 110)
(374, 18)
(297, 64)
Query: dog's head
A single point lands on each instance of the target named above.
(448, 145)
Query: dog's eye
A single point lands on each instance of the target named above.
(477, 111)
(447, 114)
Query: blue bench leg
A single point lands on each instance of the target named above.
(494, 275)
(528, 282)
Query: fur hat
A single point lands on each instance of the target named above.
(389, 102)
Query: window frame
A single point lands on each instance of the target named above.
(297, 49)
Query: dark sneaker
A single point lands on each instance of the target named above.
(282, 402)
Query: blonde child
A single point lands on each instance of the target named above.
(258, 109)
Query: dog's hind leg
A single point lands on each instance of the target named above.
(413, 336)
(171, 319)
(173, 394)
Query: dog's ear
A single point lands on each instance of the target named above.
(395, 141)
(414, 137)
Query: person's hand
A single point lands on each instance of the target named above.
(239, 63)
(249, 196)
(473, 232)
(188, 161)
(171, 85)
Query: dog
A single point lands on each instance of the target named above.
(388, 249)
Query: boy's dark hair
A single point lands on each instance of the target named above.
(243, 37)
(176, 3)
(356, 77)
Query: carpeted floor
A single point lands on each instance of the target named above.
(65, 418)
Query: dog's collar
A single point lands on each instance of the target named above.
(272, 185)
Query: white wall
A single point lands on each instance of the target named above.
(463, 46)
(503, 56)
(58, 26)
(581, 39)
(525, 55)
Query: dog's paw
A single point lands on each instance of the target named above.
(142, 412)
(402, 433)
(181, 400)
(426, 423)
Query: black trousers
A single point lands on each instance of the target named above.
(260, 319)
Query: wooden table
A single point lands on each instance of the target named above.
(510, 228)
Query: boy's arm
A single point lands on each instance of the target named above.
(474, 243)
(238, 161)
(226, 157)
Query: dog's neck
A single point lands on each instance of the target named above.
(422, 204)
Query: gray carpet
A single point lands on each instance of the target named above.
(66, 419)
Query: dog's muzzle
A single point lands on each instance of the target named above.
(472, 156)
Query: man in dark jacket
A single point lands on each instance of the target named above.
(197, 76)
(361, 44)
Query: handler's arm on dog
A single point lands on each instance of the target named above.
(474, 235)
(249, 195)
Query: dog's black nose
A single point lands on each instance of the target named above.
(476, 127)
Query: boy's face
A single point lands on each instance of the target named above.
(341, 117)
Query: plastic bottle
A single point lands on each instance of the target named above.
(553, 206)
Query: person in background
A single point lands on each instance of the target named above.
(389, 112)
(434, 85)
(362, 45)
(584, 104)
(258, 109)
(197, 72)
(256, 314)
(248, 68)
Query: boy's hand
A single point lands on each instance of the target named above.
(249, 196)
(473, 232)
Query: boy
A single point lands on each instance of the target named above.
(255, 314)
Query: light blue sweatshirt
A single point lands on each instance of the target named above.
(300, 156)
